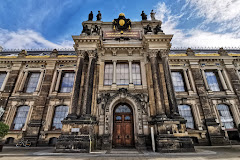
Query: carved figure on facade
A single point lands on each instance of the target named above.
(90, 16)
(153, 15)
(222, 52)
(54, 53)
(92, 53)
(86, 30)
(81, 53)
(23, 53)
(99, 16)
(147, 29)
(190, 52)
(157, 29)
(96, 30)
(144, 16)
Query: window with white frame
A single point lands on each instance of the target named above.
(213, 80)
(108, 74)
(2, 78)
(136, 74)
(20, 118)
(32, 82)
(61, 112)
(178, 82)
(225, 116)
(122, 74)
(67, 81)
(186, 112)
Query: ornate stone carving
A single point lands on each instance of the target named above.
(54, 53)
(190, 52)
(22, 54)
(92, 53)
(164, 53)
(96, 30)
(81, 53)
(86, 30)
(153, 53)
(157, 29)
(147, 29)
(222, 52)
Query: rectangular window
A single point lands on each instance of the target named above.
(178, 82)
(2, 78)
(136, 74)
(67, 81)
(213, 80)
(108, 74)
(186, 112)
(122, 74)
(32, 82)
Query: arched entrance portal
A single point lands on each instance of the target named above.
(123, 126)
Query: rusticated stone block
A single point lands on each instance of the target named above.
(73, 143)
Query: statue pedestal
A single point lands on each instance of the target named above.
(78, 135)
(171, 135)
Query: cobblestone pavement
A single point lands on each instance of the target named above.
(47, 153)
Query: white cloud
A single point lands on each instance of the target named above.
(193, 37)
(224, 12)
(28, 39)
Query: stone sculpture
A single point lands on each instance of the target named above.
(99, 16)
(144, 16)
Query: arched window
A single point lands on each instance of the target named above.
(123, 109)
(61, 112)
(225, 116)
(186, 112)
(20, 117)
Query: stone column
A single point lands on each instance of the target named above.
(130, 74)
(58, 80)
(222, 80)
(114, 85)
(186, 80)
(168, 78)
(87, 100)
(40, 81)
(191, 80)
(76, 88)
(160, 108)
(23, 81)
(205, 80)
(5, 81)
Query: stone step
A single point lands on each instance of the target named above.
(124, 151)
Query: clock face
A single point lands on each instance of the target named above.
(121, 22)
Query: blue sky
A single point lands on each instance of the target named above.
(26, 24)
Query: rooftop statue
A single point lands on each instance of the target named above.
(144, 16)
(153, 15)
(158, 29)
(90, 16)
(99, 16)
(86, 30)
(96, 29)
(147, 29)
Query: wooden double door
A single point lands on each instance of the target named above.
(123, 126)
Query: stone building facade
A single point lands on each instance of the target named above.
(117, 87)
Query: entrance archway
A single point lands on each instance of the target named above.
(123, 129)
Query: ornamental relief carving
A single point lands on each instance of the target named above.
(141, 99)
